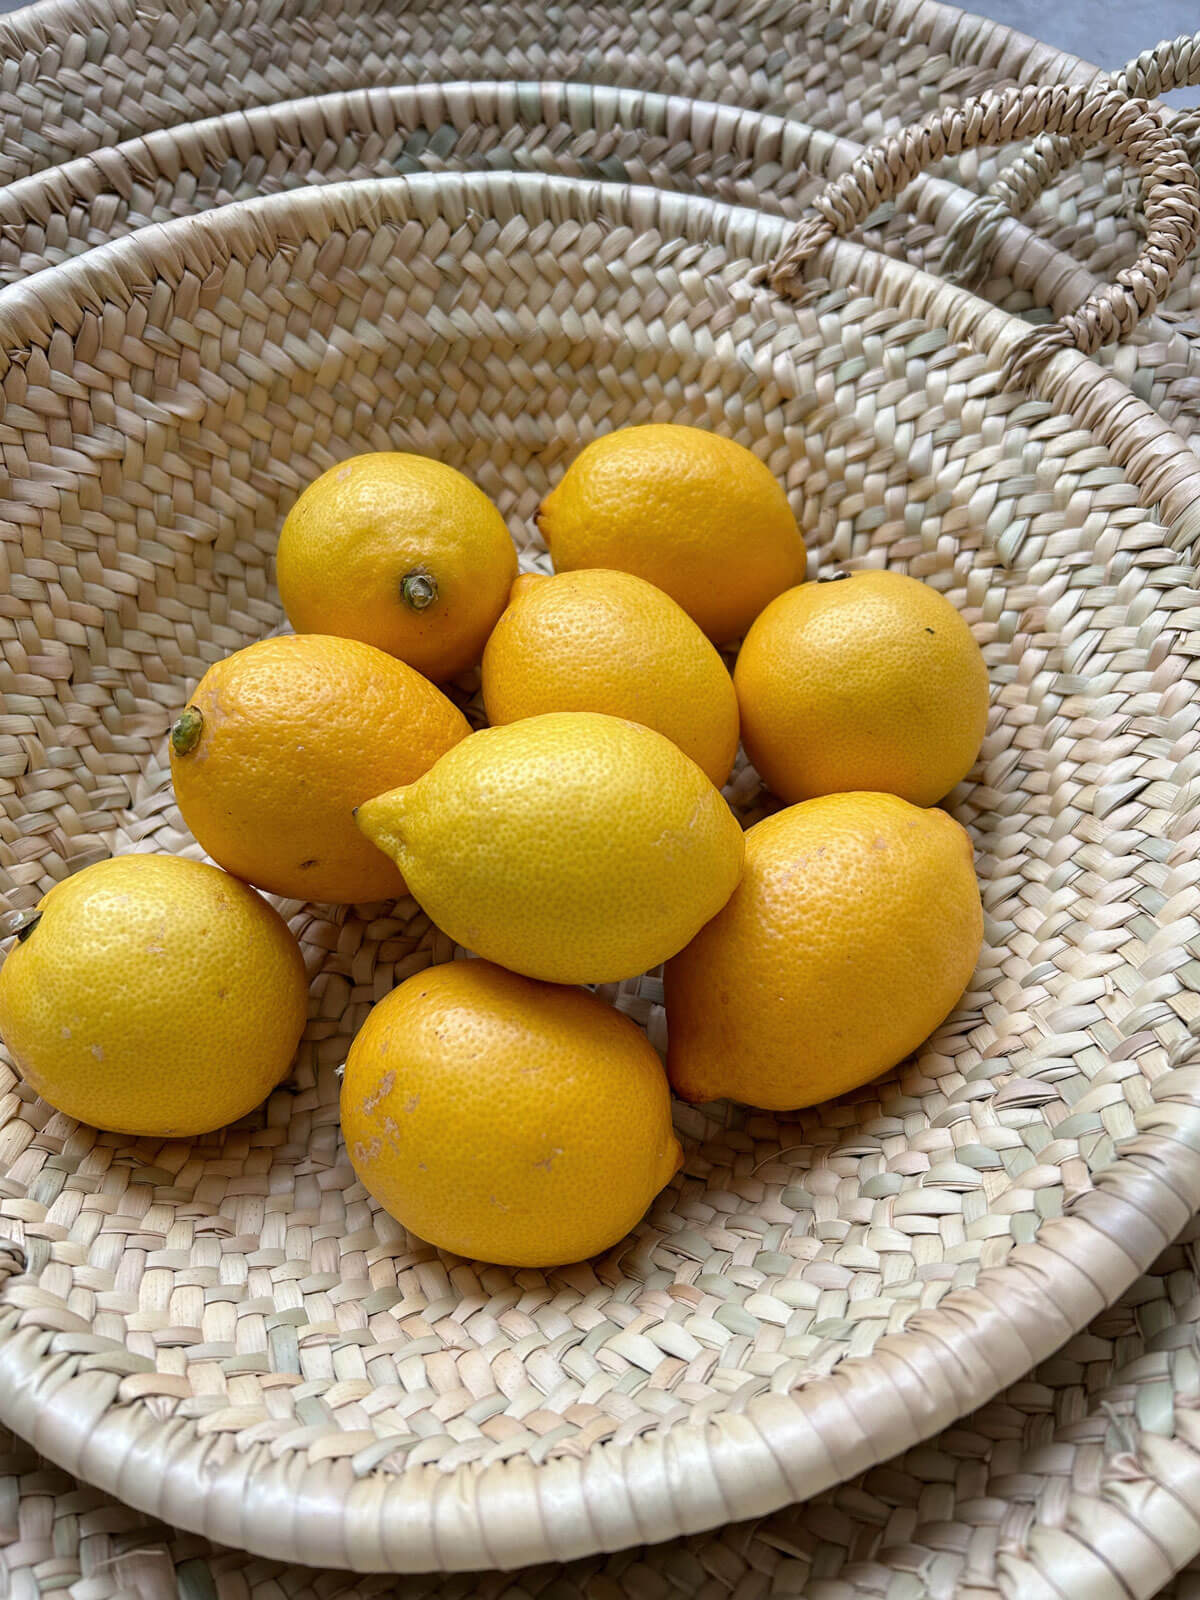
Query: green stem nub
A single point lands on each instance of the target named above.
(185, 734)
(418, 589)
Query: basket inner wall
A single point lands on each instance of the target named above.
(590, 131)
(106, 73)
(151, 448)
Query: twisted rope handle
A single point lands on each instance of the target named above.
(1130, 128)
(971, 242)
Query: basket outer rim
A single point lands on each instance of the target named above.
(965, 36)
(1054, 277)
(740, 1463)
(162, 152)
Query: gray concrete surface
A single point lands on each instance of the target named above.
(1108, 32)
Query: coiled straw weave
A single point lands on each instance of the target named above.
(972, 240)
(83, 74)
(228, 1333)
(1048, 1490)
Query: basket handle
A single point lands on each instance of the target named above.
(971, 241)
(1130, 128)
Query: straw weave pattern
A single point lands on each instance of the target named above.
(1169, 188)
(1047, 1484)
(971, 242)
(238, 1300)
(81, 74)
(720, 152)
(1081, 1493)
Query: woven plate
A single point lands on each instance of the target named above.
(572, 129)
(228, 1333)
(83, 74)
(1046, 1493)
(1085, 229)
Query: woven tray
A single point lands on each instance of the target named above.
(83, 74)
(973, 240)
(849, 67)
(1047, 1491)
(581, 130)
(691, 146)
(228, 1333)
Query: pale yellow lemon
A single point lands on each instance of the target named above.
(154, 996)
(574, 847)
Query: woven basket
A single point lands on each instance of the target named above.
(571, 129)
(690, 146)
(227, 1333)
(973, 241)
(580, 130)
(83, 74)
(1083, 1470)
(776, 164)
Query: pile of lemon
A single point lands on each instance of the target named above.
(493, 1106)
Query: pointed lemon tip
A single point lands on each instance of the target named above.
(381, 819)
(543, 517)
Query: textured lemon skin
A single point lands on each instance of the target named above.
(507, 1120)
(873, 681)
(155, 996)
(364, 526)
(573, 847)
(852, 935)
(696, 514)
(607, 641)
(296, 732)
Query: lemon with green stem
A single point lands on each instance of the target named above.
(402, 552)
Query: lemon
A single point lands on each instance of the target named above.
(401, 552)
(694, 513)
(871, 682)
(851, 936)
(607, 641)
(153, 996)
(281, 740)
(575, 847)
(512, 1121)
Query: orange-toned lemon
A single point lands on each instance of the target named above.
(402, 552)
(607, 641)
(871, 681)
(282, 740)
(690, 511)
(852, 934)
(505, 1119)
